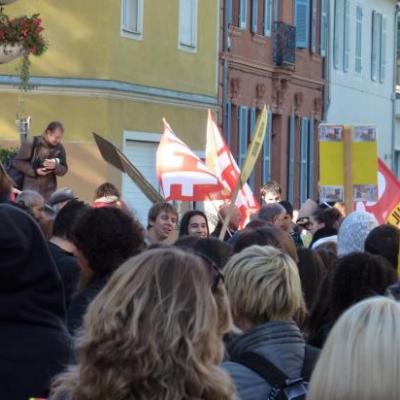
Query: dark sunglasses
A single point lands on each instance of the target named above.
(218, 277)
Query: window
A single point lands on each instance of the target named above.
(243, 134)
(243, 14)
(358, 52)
(254, 15)
(132, 17)
(324, 27)
(346, 35)
(376, 52)
(267, 17)
(188, 23)
(302, 23)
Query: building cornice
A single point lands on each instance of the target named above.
(109, 89)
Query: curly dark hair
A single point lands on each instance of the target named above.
(356, 277)
(384, 240)
(107, 237)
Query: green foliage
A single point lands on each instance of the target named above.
(27, 32)
(6, 154)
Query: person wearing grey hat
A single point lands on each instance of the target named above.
(60, 198)
(353, 232)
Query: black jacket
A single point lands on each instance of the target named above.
(68, 268)
(281, 342)
(34, 343)
(81, 302)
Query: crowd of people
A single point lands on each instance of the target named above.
(298, 304)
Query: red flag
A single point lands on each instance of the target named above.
(181, 173)
(385, 209)
(221, 162)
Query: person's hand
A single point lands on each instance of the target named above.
(42, 172)
(50, 163)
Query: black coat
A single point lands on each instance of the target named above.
(68, 268)
(34, 343)
(81, 302)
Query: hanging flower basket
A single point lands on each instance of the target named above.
(10, 52)
(5, 2)
(24, 33)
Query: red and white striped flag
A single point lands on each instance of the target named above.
(181, 173)
(220, 161)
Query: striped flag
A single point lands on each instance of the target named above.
(181, 173)
(220, 161)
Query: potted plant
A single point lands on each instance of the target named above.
(21, 36)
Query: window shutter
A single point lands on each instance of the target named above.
(304, 159)
(358, 52)
(302, 23)
(291, 151)
(254, 15)
(346, 37)
(314, 26)
(267, 150)
(311, 161)
(228, 131)
(324, 27)
(375, 52)
(382, 70)
(243, 129)
(243, 14)
(338, 33)
(253, 116)
(267, 17)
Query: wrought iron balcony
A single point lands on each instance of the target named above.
(284, 45)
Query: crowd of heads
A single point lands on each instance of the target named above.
(113, 309)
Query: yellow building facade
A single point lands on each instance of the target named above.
(117, 67)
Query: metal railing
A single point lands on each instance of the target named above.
(284, 45)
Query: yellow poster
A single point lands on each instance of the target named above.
(364, 162)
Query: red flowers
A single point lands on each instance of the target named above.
(25, 31)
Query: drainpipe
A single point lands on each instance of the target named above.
(395, 77)
(225, 68)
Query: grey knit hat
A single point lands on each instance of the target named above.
(353, 232)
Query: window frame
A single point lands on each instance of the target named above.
(126, 31)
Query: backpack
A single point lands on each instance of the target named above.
(16, 175)
(283, 387)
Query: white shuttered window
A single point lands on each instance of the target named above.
(188, 23)
(132, 16)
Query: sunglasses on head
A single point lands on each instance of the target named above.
(218, 277)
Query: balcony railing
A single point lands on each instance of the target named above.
(284, 48)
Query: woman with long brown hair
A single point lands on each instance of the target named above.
(152, 333)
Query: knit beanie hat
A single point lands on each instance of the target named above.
(353, 232)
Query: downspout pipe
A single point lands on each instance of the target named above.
(394, 93)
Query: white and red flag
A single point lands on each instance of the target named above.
(387, 208)
(182, 174)
(220, 161)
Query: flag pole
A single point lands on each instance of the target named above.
(230, 210)
(249, 163)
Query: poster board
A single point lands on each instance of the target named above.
(360, 162)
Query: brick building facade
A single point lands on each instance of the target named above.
(272, 52)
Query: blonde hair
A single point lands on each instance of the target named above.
(151, 333)
(361, 358)
(263, 284)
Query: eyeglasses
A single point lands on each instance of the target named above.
(218, 277)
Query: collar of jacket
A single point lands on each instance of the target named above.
(272, 333)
